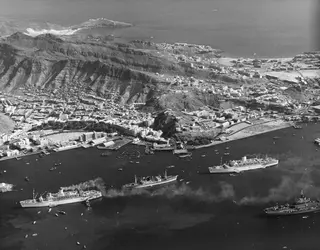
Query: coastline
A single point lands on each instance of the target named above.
(242, 134)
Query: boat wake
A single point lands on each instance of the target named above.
(175, 191)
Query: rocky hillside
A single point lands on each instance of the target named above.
(51, 63)
(69, 66)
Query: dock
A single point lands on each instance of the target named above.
(119, 144)
(66, 148)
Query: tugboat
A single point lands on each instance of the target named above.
(301, 205)
(151, 181)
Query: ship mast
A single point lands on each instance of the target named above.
(165, 174)
(135, 179)
(33, 193)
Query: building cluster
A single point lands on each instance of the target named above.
(203, 120)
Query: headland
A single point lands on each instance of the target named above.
(160, 94)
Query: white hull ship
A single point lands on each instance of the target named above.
(244, 165)
(61, 198)
(151, 181)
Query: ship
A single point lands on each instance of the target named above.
(317, 141)
(151, 181)
(61, 198)
(244, 165)
(301, 205)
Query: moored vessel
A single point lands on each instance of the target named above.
(62, 197)
(244, 164)
(301, 205)
(151, 181)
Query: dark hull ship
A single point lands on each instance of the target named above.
(301, 205)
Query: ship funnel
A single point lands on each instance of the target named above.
(244, 158)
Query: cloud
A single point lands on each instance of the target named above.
(62, 32)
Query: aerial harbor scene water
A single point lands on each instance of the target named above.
(159, 125)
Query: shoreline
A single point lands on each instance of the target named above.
(241, 135)
(246, 135)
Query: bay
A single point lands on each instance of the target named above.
(211, 211)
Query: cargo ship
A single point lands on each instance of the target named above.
(151, 181)
(61, 198)
(244, 165)
(301, 205)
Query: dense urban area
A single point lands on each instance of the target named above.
(248, 97)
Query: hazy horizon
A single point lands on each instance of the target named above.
(232, 25)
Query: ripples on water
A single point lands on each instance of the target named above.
(214, 209)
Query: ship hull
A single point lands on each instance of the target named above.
(153, 185)
(277, 213)
(58, 202)
(213, 170)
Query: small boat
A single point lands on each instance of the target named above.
(171, 166)
(120, 169)
(317, 141)
(189, 154)
(180, 151)
(276, 137)
(18, 158)
(26, 179)
(87, 202)
(62, 212)
(53, 168)
(226, 153)
(148, 150)
(297, 126)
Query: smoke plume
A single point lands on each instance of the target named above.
(183, 190)
(286, 190)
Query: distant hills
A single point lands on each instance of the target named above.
(8, 27)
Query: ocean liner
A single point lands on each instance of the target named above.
(301, 205)
(244, 165)
(62, 197)
(151, 181)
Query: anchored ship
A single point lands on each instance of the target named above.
(151, 181)
(62, 197)
(244, 165)
(301, 205)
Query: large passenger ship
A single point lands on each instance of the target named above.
(244, 165)
(62, 197)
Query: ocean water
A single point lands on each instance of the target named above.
(269, 28)
(201, 211)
